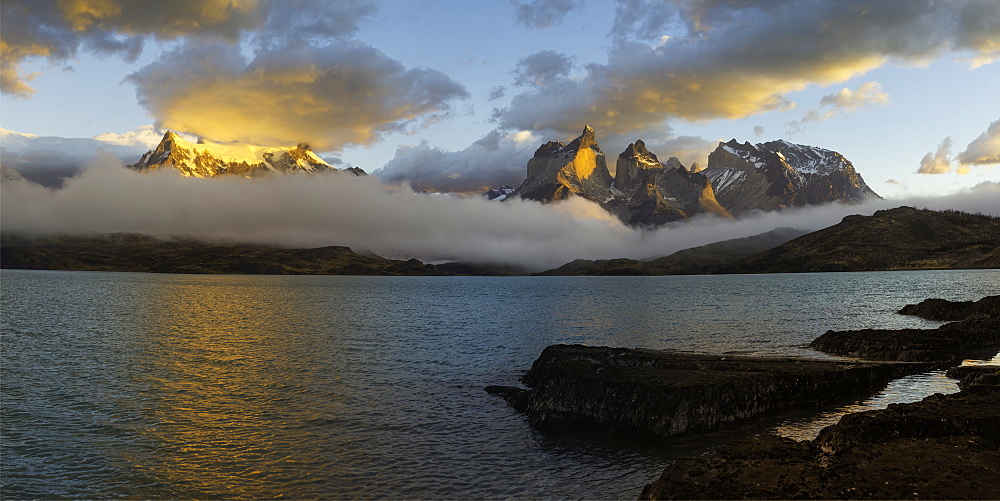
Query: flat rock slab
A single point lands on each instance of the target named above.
(639, 393)
(947, 343)
(944, 447)
(942, 309)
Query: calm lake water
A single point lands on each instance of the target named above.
(192, 386)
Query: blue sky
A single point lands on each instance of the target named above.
(455, 96)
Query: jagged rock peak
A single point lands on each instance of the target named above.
(674, 163)
(210, 159)
(586, 140)
(550, 149)
(556, 149)
(637, 150)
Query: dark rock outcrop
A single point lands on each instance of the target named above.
(947, 343)
(971, 375)
(944, 447)
(638, 393)
(942, 309)
(977, 331)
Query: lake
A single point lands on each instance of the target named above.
(195, 386)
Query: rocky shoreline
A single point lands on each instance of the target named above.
(943, 447)
(648, 394)
(643, 394)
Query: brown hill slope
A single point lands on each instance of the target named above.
(703, 259)
(132, 252)
(903, 238)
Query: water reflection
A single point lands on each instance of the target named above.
(907, 389)
(227, 382)
(137, 385)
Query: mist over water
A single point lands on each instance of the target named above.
(366, 215)
(185, 386)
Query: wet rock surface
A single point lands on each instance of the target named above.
(944, 447)
(977, 331)
(942, 309)
(638, 393)
(948, 343)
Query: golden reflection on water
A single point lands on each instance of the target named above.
(907, 389)
(217, 380)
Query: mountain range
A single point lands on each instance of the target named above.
(207, 159)
(645, 192)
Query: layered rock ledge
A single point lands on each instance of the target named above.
(975, 333)
(942, 309)
(637, 393)
(944, 447)
(948, 343)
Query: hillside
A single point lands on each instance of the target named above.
(141, 253)
(703, 259)
(903, 238)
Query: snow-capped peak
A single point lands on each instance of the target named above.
(208, 159)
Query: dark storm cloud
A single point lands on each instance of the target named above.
(57, 30)
(543, 13)
(732, 59)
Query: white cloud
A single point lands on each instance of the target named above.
(982, 152)
(339, 209)
(938, 162)
(985, 149)
(493, 161)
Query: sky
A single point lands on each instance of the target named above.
(455, 96)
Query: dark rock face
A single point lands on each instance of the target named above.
(971, 375)
(638, 393)
(779, 174)
(942, 309)
(644, 192)
(499, 194)
(648, 193)
(945, 447)
(558, 171)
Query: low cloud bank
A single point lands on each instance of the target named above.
(363, 213)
